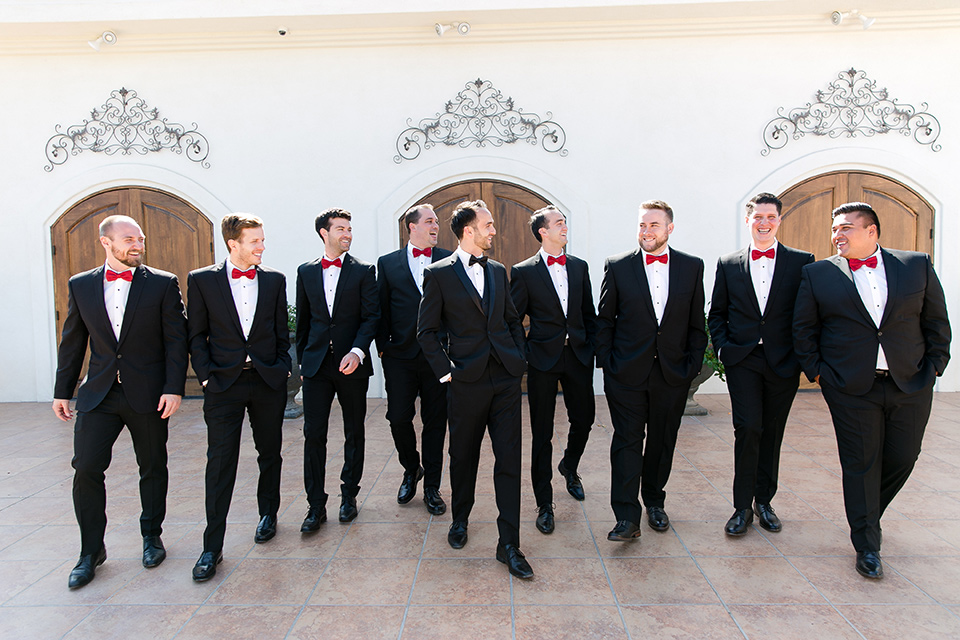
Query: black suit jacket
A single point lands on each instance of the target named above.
(354, 319)
(836, 338)
(218, 349)
(151, 354)
(451, 303)
(399, 304)
(736, 324)
(534, 294)
(629, 337)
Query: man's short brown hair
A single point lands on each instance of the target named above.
(233, 224)
(658, 204)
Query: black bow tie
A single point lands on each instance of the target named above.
(482, 261)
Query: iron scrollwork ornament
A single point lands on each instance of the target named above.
(852, 105)
(125, 124)
(480, 115)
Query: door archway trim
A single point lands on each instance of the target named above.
(494, 168)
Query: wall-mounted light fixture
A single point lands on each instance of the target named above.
(462, 28)
(837, 17)
(107, 37)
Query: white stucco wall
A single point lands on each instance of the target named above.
(295, 129)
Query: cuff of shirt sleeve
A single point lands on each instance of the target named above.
(359, 353)
(447, 378)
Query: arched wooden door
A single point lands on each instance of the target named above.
(178, 239)
(510, 205)
(906, 219)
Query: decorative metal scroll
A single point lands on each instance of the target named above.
(852, 105)
(480, 115)
(126, 124)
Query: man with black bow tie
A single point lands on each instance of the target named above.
(337, 315)
(132, 317)
(467, 296)
(871, 327)
(407, 372)
(240, 349)
(751, 318)
(553, 288)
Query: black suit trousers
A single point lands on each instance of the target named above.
(878, 438)
(490, 403)
(318, 393)
(576, 380)
(405, 380)
(656, 407)
(223, 412)
(760, 401)
(95, 433)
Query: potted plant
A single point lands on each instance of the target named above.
(293, 410)
(711, 367)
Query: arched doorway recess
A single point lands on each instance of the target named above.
(178, 239)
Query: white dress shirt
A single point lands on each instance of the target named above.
(417, 265)
(558, 273)
(245, 293)
(872, 287)
(761, 273)
(658, 278)
(475, 272)
(115, 296)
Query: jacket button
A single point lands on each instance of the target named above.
(762, 322)
(119, 355)
(879, 333)
(658, 333)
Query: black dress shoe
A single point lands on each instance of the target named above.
(153, 551)
(739, 522)
(545, 521)
(869, 565)
(348, 509)
(435, 504)
(658, 519)
(86, 568)
(457, 536)
(510, 555)
(767, 517)
(266, 529)
(408, 488)
(315, 517)
(574, 486)
(206, 566)
(624, 531)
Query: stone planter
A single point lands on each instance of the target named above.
(293, 410)
(693, 408)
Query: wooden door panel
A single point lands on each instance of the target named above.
(178, 239)
(906, 219)
(806, 215)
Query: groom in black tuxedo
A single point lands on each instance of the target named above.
(553, 288)
(751, 319)
(240, 349)
(407, 372)
(132, 317)
(468, 297)
(871, 327)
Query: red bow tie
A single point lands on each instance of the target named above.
(249, 273)
(769, 253)
(326, 264)
(560, 260)
(422, 252)
(123, 275)
(869, 262)
(662, 258)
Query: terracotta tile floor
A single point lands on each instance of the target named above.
(391, 573)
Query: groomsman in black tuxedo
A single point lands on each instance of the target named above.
(132, 317)
(871, 327)
(553, 288)
(407, 372)
(751, 319)
(650, 344)
(337, 315)
(467, 297)
(240, 349)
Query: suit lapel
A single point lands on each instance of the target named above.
(540, 266)
(262, 300)
(133, 298)
(489, 288)
(461, 272)
(95, 283)
(744, 263)
(641, 274)
(403, 264)
(223, 286)
(346, 271)
(673, 277)
(851, 287)
(891, 267)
